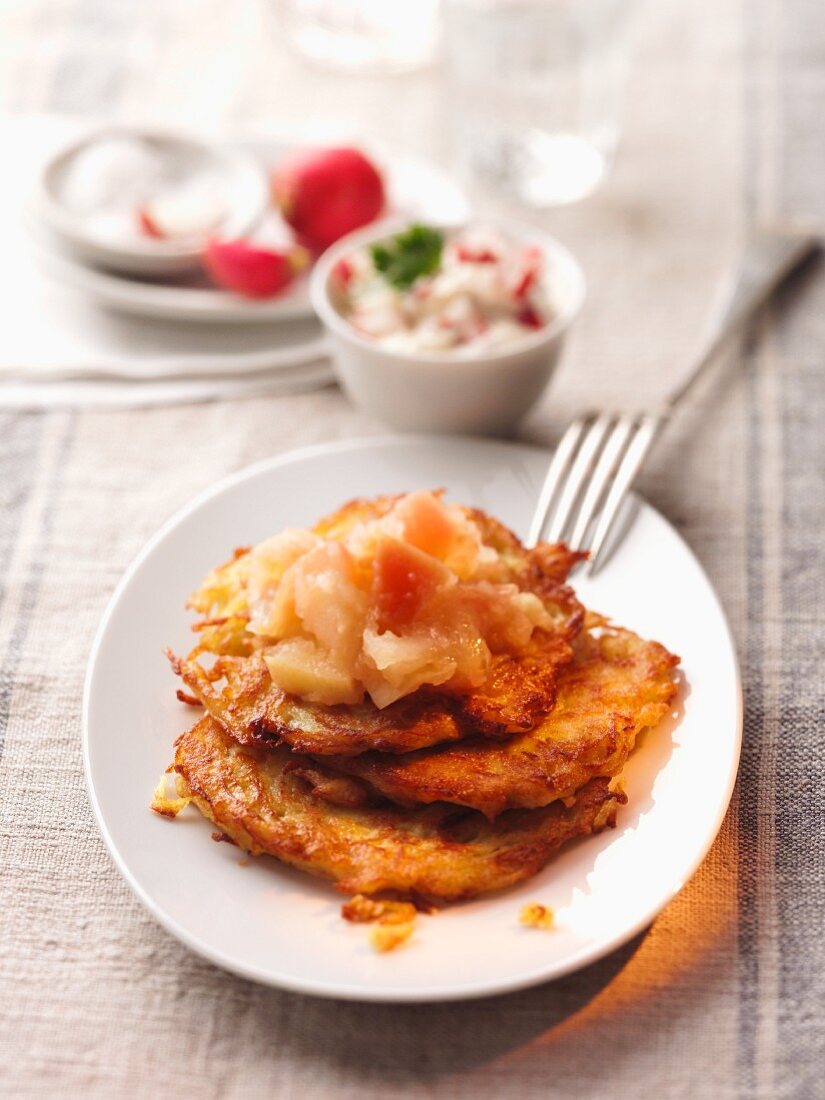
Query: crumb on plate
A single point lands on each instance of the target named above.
(535, 915)
(386, 937)
(394, 920)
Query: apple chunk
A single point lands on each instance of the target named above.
(300, 667)
(402, 579)
(427, 523)
(328, 601)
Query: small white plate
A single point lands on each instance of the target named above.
(112, 240)
(415, 189)
(277, 926)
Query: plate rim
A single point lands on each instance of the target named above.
(208, 306)
(587, 954)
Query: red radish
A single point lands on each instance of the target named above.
(189, 211)
(342, 274)
(324, 194)
(469, 255)
(530, 318)
(528, 272)
(249, 269)
(147, 224)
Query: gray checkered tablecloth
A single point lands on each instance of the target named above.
(722, 996)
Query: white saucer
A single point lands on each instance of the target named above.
(283, 928)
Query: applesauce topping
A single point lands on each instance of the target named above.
(409, 599)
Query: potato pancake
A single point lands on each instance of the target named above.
(271, 801)
(616, 686)
(240, 694)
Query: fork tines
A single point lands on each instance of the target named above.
(592, 470)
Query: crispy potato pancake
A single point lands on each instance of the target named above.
(262, 801)
(238, 691)
(616, 686)
(255, 711)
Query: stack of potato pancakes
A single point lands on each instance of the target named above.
(442, 793)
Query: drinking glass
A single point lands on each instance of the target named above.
(534, 87)
(364, 35)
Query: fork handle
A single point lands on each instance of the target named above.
(768, 258)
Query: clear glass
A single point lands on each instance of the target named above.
(535, 87)
(364, 35)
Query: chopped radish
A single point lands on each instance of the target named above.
(342, 274)
(147, 224)
(185, 212)
(530, 318)
(528, 271)
(469, 255)
(250, 270)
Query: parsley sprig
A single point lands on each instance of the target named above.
(408, 255)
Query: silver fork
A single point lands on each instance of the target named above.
(601, 453)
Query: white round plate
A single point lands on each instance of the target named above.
(278, 926)
(415, 189)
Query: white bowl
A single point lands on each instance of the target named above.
(242, 179)
(445, 392)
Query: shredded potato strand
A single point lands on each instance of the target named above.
(163, 801)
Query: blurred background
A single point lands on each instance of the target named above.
(667, 85)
